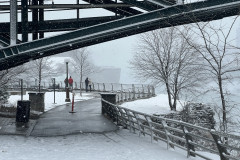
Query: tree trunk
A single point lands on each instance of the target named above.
(39, 78)
(169, 97)
(224, 118)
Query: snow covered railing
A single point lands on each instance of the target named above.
(124, 91)
(194, 139)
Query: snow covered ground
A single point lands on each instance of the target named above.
(154, 105)
(49, 98)
(120, 145)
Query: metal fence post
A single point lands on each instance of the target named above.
(149, 92)
(133, 90)
(121, 96)
(104, 87)
(153, 91)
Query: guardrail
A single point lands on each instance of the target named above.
(194, 139)
(124, 92)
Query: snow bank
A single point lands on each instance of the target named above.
(49, 98)
(154, 105)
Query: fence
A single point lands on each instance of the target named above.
(194, 139)
(124, 92)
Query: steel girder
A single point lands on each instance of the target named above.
(126, 11)
(60, 25)
(172, 16)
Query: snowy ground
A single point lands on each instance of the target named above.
(121, 145)
(49, 98)
(154, 105)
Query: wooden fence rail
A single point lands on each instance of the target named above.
(194, 139)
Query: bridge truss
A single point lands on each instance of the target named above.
(129, 17)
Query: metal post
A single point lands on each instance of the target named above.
(78, 11)
(54, 88)
(13, 22)
(24, 20)
(21, 89)
(133, 90)
(67, 89)
(104, 89)
(35, 20)
(41, 18)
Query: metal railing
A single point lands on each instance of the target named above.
(124, 91)
(191, 138)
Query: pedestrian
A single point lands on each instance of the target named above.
(90, 84)
(70, 81)
(66, 81)
(86, 84)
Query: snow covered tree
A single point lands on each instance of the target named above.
(221, 60)
(7, 76)
(40, 69)
(82, 64)
(165, 57)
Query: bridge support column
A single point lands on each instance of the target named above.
(13, 22)
(24, 4)
(41, 18)
(35, 20)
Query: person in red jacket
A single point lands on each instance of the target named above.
(70, 81)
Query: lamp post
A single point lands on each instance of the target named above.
(67, 89)
(54, 85)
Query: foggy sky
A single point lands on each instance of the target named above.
(116, 53)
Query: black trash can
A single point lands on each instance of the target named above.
(23, 111)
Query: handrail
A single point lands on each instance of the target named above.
(124, 92)
(196, 138)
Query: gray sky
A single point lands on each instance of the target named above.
(116, 53)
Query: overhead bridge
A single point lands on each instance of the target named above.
(170, 16)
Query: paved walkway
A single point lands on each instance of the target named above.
(58, 121)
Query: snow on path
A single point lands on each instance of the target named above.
(121, 145)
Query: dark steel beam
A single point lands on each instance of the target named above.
(71, 6)
(172, 16)
(41, 18)
(143, 5)
(60, 25)
(123, 11)
(163, 3)
(24, 23)
(35, 21)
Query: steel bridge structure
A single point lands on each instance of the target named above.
(129, 17)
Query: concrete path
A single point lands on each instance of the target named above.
(58, 121)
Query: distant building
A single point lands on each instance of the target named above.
(107, 75)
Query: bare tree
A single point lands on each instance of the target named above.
(221, 58)
(40, 69)
(8, 76)
(82, 64)
(165, 57)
